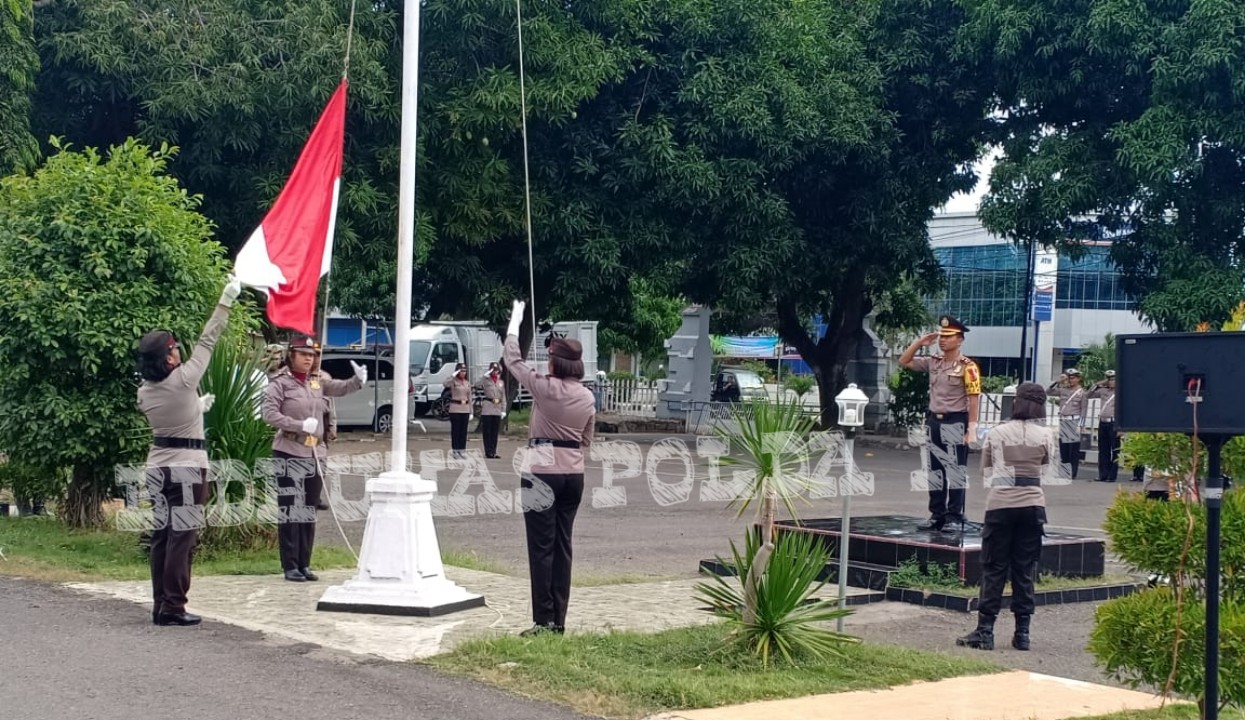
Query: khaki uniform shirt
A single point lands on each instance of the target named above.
(950, 383)
(562, 409)
(494, 392)
(1017, 449)
(288, 401)
(1071, 402)
(1106, 411)
(460, 397)
(172, 404)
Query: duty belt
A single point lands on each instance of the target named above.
(944, 416)
(1028, 482)
(181, 443)
(572, 444)
(304, 438)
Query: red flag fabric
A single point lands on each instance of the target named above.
(293, 247)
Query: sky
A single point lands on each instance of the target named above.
(968, 202)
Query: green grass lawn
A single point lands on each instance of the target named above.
(632, 675)
(1045, 584)
(43, 548)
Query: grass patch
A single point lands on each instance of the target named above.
(1171, 712)
(44, 549)
(632, 675)
(592, 580)
(470, 560)
(944, 579)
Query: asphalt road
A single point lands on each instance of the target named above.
(654, 535)
(78, 657)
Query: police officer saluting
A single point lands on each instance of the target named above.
(492, 408)
(295, 403)
(1108, 438)
(1072, 399)
(954, 402)
(177, 462)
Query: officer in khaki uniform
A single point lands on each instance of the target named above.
(492, 408)
(954, 402)
(295, 403)
(1072, 400)
(1108, 438)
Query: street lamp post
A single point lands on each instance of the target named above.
(852, 403)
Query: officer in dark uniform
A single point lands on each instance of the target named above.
(954, 402)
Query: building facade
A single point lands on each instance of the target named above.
(986, 286)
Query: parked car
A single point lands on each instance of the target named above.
(373, 405)
(736, 385)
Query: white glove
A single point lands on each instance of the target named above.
(516, 318)
(310, 425)
(360, 371)
(232, 289)
(503, 416)
(205, 403)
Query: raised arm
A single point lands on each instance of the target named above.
(515, 364)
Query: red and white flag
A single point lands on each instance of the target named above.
(293, 247)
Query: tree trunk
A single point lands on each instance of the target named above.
(829, 355)
(760, 563)
(85, 499)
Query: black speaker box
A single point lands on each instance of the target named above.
(1155, 373)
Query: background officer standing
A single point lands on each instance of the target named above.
(954, 401)
(1108, 438)
(492, 408)
(1071, 419)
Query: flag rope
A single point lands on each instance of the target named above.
(328, 283)
(527, 185)
(349, 39)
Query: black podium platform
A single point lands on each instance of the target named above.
(889, 540)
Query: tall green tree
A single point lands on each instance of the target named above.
(18, 64)
(94, 252)
(1122, 121)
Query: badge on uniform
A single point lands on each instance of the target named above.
(496, 401)
(315, 384)
(311, 441)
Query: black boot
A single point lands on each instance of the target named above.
(1020, 640)
(982, 638)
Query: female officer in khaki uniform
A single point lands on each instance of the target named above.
(177, 462)
(492, 408)
(295, 403)
(460, 409)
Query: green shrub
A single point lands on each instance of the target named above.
(913, 574)
(1133, 638)
(760, 368)
(787, 620)
(801, 385)
(31, 485)
(996, 383)
(909, 397)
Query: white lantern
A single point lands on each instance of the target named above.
(852, 402)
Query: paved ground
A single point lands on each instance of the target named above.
(645, 537)
(73, 656)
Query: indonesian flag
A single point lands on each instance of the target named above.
(293, 247)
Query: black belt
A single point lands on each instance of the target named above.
(182, 443)
(944, 416)
(572, 444)
(1028, 482)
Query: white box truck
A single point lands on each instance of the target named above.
(436, 347)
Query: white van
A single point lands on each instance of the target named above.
(373, 405)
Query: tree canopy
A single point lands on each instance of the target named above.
(1122, 120)
(18, 64)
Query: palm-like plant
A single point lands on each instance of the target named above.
(785, 619)
(772, 606)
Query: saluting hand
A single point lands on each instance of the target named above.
(929, 339)
(360, 371)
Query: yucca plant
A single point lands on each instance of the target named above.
(771, 441)
(236, 376)
(785, 620)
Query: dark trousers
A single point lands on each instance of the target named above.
(1070, 444)
(946, 492)
(458, 430)
(1011, 546)
(549, 517)
(490, 426)
(299, 484)
(178, 495)
(1108, 451)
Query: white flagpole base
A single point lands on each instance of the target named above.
(400, 571)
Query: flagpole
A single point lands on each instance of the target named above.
(406, 232)
(400, 570)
